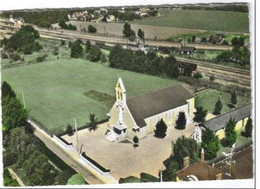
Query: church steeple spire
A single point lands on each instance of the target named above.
(120, 91)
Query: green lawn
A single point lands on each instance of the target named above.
(55, 91)
(200, 19)
(209, 98)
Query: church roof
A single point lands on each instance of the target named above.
(220, 122)
(149, 104)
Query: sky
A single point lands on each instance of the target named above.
(30, 4)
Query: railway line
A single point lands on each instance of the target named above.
(237, 76)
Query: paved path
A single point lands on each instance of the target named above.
(15, 176)
(69, 157)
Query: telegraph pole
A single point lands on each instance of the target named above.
(76, 130)
(24, 106)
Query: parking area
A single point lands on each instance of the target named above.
(122, 158)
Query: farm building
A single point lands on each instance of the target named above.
(187, 50)
(217, 124)
(138, 116)
(136, 44)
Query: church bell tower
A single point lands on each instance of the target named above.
(120, 91)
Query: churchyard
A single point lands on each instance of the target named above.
(122, 158)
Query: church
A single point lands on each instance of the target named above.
(138, 116)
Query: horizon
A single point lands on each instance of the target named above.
(13, 5)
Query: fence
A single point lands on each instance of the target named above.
(63, 143)
(93, 164)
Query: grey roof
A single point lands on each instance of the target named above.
(187, 49)
(219, 122)
(158, 101)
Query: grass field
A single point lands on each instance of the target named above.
(209, 98)
(55, 90)
(200, 19)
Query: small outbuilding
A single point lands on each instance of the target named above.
(218, 124)
(187, 50)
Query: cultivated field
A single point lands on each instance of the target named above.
(200, 19)
(115, 29)
(55, 91)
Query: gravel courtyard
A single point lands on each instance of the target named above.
(122, 158)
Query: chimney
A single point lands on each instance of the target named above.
(202, 155)
(219, 176)
(229, 168)
(186, 162)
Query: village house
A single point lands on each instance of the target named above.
(139, 115)
(218, 124)
(240, 167)
(187, 50)
(136, 44)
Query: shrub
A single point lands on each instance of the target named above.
(76, 179)
(95, 54)
(69, 130)
(4, 55)
(145, 177)
(92, 29)
(56, 51)
(41, 58)
(181, 121)
(135, 140)
(161, 129)
(103, 58)
(197, 75)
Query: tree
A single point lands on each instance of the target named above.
(185, 147)
(233, 97)
(76, 50)
(193, 39)
(76, 179)
(200, 114)
(7, 90)
(88, 46)
(127, 31)
(94, 54)
(171, 68)
(24, 40)
(161, 129)
(218, 107)
(104, 19)
(140, 33)
(248, 128)
(92, 29)
(93, 122)
(13, 113)
(69, 130)
(181, 121)
(230, 133)
(169, 174)
(136, 141)
(210, 143)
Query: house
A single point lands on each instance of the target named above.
(218, 124)
(217, 38)
(136, 44)
(242, 165)
(239, 167)
(138, 116)
(186, 50)
(200, 171)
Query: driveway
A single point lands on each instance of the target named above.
(122, 158)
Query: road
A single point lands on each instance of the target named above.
(65, 156)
